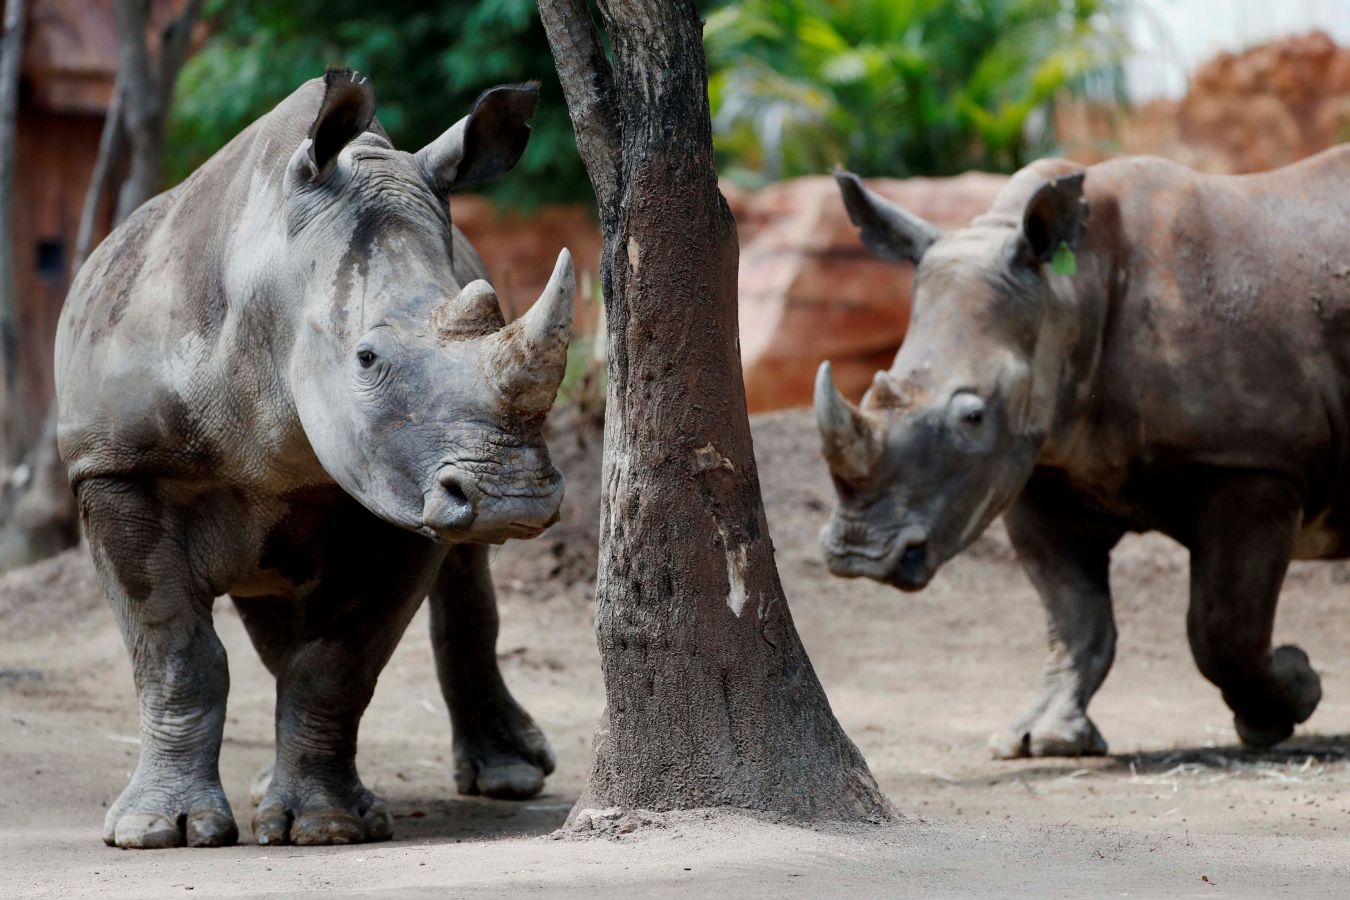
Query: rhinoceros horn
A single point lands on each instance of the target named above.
(526, 359)
(473, 312)
(851, 440)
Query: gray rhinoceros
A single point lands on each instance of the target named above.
(1192, 377)
(287, 380)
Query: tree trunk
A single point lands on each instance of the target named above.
(13, 424)
(712, 701)
(146, 88)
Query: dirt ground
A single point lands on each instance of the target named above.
(919, 681)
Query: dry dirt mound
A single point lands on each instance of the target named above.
(60, 594)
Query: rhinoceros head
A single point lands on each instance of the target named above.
(946, 438)
(414, 394)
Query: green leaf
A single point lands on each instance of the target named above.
(1064, 262)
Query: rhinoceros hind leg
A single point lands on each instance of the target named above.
(1300, 690)
(1241, 541)
(499, 751)
(163, 608)
(1066, 551)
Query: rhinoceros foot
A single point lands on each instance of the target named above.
(318, 815)
(153, 814)
(1050, 735)
(506, 757)
(1298, 690)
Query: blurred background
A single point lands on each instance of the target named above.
(103, 104)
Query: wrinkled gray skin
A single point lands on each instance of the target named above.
(1192, 377)
(284, 380)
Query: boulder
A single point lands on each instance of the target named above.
(1266, 107)
(810, 291)
(1271, 105)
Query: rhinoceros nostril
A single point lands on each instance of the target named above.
(450, 507)
(454, 493)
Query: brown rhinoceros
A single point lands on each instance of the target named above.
(1192, 377)
(286, 380)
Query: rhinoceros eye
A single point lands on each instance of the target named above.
(969, 422)
(366, 358)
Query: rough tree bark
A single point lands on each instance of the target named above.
(13, 430)
(712, 701)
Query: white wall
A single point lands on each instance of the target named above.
(1172, 37)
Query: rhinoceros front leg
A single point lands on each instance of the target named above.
(141, 550)
(1066, 551)
(499, 751)
(1241, 540)
(372, 582)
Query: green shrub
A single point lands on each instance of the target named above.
(901, 87)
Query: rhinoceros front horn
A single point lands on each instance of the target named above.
(526, 359)
(851, 442)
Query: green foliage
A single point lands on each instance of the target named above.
(886, 87)
(428, 62)
(901, 87)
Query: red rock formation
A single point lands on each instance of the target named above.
(810, 291)
(1270, 105)
(1266, 107)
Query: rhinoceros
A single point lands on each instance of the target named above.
(1183, 368)
(287, 380)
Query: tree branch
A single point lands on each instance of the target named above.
(137, 73)
(588, 87)
(12, 421)
(147, 93)
(110, 146)
(173, 49)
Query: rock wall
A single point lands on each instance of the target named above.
(810, 291)
(1271, 105)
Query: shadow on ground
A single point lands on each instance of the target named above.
(454, 819)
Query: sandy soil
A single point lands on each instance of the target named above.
(919, 681)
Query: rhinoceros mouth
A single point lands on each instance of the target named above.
(901, 559)
(912, 569)
(461, 509)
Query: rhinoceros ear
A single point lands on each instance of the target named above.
(1056, 214)
(486, 143)
(888, 231)
(347, 109)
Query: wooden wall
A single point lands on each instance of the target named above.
(55, 156)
